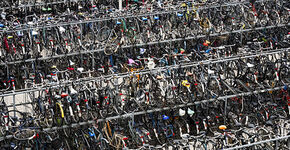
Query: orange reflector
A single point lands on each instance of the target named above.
(222, 127)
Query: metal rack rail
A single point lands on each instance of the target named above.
(259, 143)
(155, 110)
(126, 16)
(145, 44)
(146, 71)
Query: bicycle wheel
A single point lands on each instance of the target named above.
(103, 34)
(24, 134)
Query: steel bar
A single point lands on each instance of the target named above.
(146, 71)
(20, 104)
(259, 143)
(143, 44)
(120, 4)
(125, 17)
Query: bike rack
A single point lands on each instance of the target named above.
(145, 44)
(40, 4)
(146, 71)
(123, 17)
(155, 110)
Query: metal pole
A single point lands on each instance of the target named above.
(120, 5)
(14, 106)
(226, 104)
